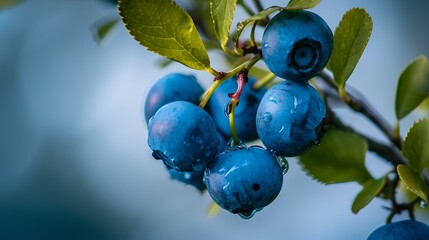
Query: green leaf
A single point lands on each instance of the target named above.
(350, 40)
(301, 4)
(416, 145)
(339, 158)
(369, 191)
(222, 12)
(8, 3)
(165, 28)
(413, 87)
(424, 106)
(104, 29)
(413, 181)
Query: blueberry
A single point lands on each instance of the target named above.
(290, 117)
(245, 112)
(172, 87)
(244, 180)
(296, 45)
(195, 178)
(183, 136)
(401, 230)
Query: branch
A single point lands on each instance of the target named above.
(359, 104)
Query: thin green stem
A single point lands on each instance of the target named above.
(258, 5)
(246, 8)
(252, 35)
(234, 134)
(221, 77)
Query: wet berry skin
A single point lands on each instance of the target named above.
(290, 117)
(170, 88)
(183, 135)
(195, 178)
(296, 45)
(244, 180)
(401, 230)
(245, 112)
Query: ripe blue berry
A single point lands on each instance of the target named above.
(195, 178)
(183, 135)
(170, 88)
(244, 180)
(296, 45)
(401, 230)
(245, 112)
(290, 117)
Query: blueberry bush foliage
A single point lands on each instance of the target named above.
(188, 35)
(297, 55)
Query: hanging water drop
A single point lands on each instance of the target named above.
(423, 204)
(267, 117)
(284, 164)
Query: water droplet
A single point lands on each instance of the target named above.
(187, 175)
(423, 204)
(272, 99)
(198, 166)
(231, 146)
(249, 214)
(267, 117)
(198, 140)
(284, 164)
(266, 45)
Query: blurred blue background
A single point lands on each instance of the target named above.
(74, 163)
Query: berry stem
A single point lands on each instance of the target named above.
(258, 5)
(242, 79)
(245, 7)
(220, 77)
(231, 110)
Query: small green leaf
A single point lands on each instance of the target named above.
(165, 28)
(413, 181)
(102, 30)
(416, 145)
(339, 158)
(8, 3)
(369, 191)
(301, 4)
(222, 12)
(413, 87)
(350, 40)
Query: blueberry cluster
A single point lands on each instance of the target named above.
(287, 118)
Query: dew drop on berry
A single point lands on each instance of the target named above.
(225, 110)
(248, 215)
(267, 117)
(187, 175)
(272, 99)
(198, 166)
(283, 164)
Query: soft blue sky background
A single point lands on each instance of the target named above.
(73, 155)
